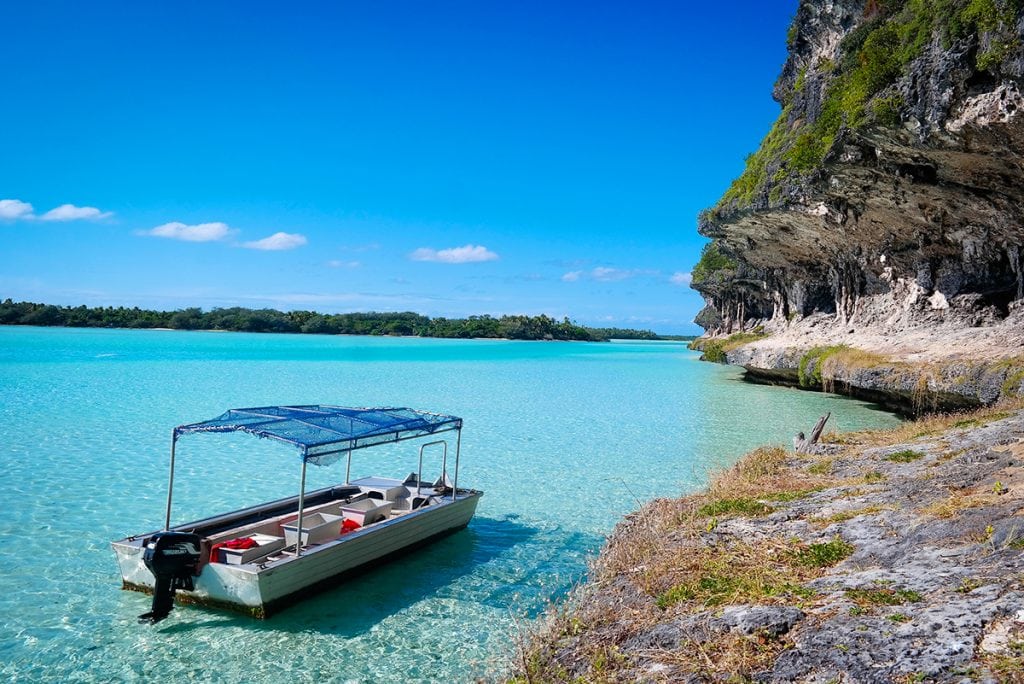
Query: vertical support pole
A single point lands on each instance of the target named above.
(302, 503)
(170, 481)
(458, 448)
(419, 473)
(444, 463)
(348, 468)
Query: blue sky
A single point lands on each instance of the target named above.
(449, 158)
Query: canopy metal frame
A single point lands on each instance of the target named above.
(396, 433)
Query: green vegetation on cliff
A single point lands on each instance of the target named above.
(713, 266)
(858, 90)
(269, 320)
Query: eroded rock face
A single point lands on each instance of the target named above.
(925, 214)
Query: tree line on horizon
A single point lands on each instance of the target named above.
(239, 319)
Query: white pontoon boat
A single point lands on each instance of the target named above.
(260, 559)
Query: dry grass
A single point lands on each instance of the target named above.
(707, 658)
(664, 552)
(934, 424)
(748, 487)
(762, 474)
(1007, 667)
(957, 502)
(641, 535)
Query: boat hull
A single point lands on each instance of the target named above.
(261, 589)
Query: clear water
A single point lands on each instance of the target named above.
(564, 438)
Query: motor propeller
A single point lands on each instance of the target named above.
(173, 558)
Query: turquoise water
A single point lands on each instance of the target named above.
(564, 438)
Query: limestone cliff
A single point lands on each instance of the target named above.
(890, 192)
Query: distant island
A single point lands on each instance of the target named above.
(239, 319)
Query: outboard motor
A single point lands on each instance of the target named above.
(172, 557)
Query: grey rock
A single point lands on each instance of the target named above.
(768, 620)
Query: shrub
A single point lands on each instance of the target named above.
(714, 264)
(712, 350)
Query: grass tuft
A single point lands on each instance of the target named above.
(744, 506)
(904, 456)
(823, 555)
(883, 596)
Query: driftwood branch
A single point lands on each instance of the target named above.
(803, 444)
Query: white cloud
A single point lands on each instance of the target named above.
(200, 232)
(277, 242)
(337, 263)
(608, 275)
(11, 209)
(680, 278)
(69, 212)
(454, 255)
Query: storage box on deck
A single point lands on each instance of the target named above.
(367, 511)
(265, 544)
(316, 528)
(389, 490)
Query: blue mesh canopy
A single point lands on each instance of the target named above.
(323, 433)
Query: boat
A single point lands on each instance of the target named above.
(261, 559)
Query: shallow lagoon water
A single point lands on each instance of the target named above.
(564, 438)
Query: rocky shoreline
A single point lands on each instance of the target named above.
(885, 556)
(911, 361)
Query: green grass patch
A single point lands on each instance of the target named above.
(883, 596)
(714, 349)
(874, 476)
(743, 506)
(1013, 381)
(822, 467)
(784, 497)
(714, 589)
(823, 555)
(904, 456)
(809, 370)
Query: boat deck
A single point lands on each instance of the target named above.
(365, 503)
